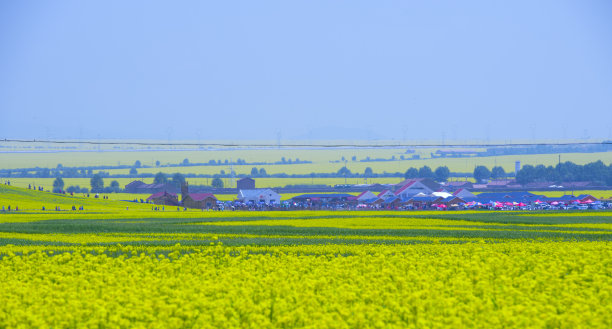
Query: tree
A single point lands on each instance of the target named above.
(262, 172)
(137, 164)
(157, 163)
(498, 172)
(160, 178)
(442, 174)
(185, 162)
(133, 171)
(426, 172)
(96, 183)
(58, 185)
(481, 173)
(217, 183)
(115, 186)
(527, 174)
(368, 172)
(411, 173)
(178, 179)
(344, 171)
(254, 172)
(354, 158)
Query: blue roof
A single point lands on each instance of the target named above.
(391, 200)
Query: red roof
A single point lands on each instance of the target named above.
(360, 194)
(382, 193)
(201, 196)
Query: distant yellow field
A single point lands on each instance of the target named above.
(321, 160)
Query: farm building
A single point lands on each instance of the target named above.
(266, 196)
(458, 184)
(412, 187)
(164, 198)
(199, 200)
(426, 183)
(246, 183)
(386, 194)
(422, 201)
(366, 195)
(464, 194)
(391, 203)
(451, 201)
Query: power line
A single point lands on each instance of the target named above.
(312, 145)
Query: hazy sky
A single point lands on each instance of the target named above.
(306, 69)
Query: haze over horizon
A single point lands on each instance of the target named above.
(306, 70)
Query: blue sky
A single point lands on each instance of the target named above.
(405, 70)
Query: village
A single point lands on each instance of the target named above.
(410, 194)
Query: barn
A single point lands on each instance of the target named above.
(246, 183)
(164, 198)
(199, 200)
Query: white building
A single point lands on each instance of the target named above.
(266, 196)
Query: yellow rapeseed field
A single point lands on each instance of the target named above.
(124, 265)
(474, 285)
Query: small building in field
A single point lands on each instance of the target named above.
(416, 186)
(458, 184)
(164, 198)
(266, 196)
(386, 194)
(451, 201)
(366, 195)
(391, 203)
(199, 200)
(586, 198)
(246, 183)
(464, 194)
(423, 201)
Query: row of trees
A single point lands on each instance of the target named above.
(96, 183)
(178, 179)
(596, 172)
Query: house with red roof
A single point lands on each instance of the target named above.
(428, 183)
(164, 198)
(199, 200)
(416, 186)
(386, 194)
(366, 195)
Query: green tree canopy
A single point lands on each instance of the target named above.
(58, 185)
(96, 183)
(160, 178)
(411, 173)
(426, 172)
(442, 173)
(481, 173)
(178, 179)
(498, 172)
(217, 182)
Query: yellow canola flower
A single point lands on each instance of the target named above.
(473, 285)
